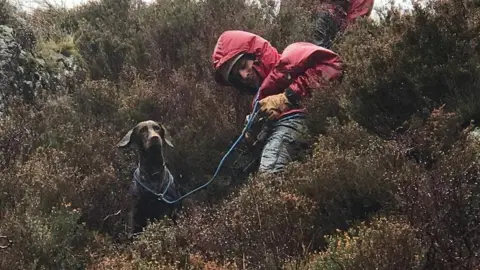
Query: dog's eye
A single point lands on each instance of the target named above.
(156, 128)
(143, 130)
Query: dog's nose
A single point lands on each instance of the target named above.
(155, 139)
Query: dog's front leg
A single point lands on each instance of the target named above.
(134, 225)
(131, 221)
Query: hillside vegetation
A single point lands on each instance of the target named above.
(390, 182)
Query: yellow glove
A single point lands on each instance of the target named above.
(274, 105)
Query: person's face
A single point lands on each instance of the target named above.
(244, 72)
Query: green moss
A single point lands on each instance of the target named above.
(51, 51)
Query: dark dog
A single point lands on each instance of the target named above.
(150, 138)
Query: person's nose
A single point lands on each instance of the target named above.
(244, 73)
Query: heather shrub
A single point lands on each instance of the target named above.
(44, 235)
(6, 10)
(53, 24)
(381, 244)
(424, 140)
(64, 150)
(344, 175)
(13, 139)
(106, 39)
(406, 65)
(247, 230)
(324, 106)
(438, 200)
(56, 158)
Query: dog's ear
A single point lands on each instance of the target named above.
(126, 140)
(166, 136)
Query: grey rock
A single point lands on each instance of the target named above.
(24, 74)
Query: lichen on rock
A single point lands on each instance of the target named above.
(27, 74)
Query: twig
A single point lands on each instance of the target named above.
(111, 215)
(9, 242)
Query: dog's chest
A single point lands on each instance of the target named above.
(152, 185)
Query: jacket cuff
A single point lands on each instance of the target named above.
(292, 96)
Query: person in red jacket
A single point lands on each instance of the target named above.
(279, 82)
(335, 16)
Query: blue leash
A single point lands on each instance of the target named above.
(256, 111)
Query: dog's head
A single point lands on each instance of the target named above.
(146, 135)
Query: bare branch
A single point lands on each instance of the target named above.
(8, 244)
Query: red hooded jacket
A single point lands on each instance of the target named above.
(359, 8)
(300, 67)
(356, 9)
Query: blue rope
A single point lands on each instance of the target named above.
(256, 111)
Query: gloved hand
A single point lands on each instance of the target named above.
(274, 105)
